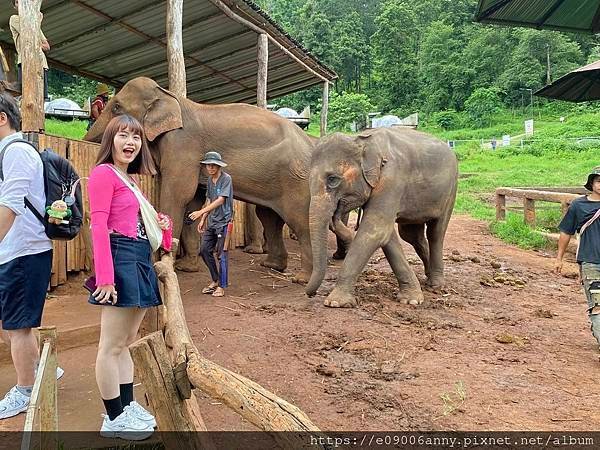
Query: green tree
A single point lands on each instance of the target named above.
(395, 59)
(482, 104)
(348, 107)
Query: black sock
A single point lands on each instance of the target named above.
(113, 407)
(126, 393)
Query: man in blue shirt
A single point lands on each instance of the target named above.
(583, 217)
(219, 211)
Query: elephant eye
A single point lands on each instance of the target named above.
(333, 181)
(116, 107)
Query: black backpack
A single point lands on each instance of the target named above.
(61, 182)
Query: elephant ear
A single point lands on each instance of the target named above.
(372, 160)
(163, 114)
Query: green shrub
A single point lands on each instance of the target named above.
(348, 107)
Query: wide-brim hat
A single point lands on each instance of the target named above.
(213, 158)
(595, 172)
(102, 89)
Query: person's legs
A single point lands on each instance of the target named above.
(590, 276)
(115, 329)
(126, 369)
(219, 291)
(23, 285)
(207, 248)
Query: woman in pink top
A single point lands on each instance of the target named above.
(126, 284)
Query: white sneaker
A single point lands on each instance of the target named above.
(141, 414)
(13, 403)
(125, 426)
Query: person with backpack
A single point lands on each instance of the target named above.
(583, 217)
(25, 254)
(126, 230)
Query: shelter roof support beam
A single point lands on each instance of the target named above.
(177, 81)
(263, 70)
(32, 103)
(325, 108)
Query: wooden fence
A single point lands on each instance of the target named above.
(564, 196)
(73, 256)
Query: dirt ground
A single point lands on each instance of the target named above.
(506, 346)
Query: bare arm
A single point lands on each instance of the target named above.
(208, 208)
(563, 243)
(7, 218)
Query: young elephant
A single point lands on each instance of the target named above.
(397, 176)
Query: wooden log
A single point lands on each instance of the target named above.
(175, 58)
(325, 108)
(154, 371)
(257, 405)
(263, 70)
(529, 211)
(556, 197)
(32, 102)
(500, 206)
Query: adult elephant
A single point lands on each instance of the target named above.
(396, 176)
(268, 159)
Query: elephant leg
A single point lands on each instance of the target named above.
(273, 225)
(306, 261)
(374, 231)
(342, 242)
(254, 231)
(190, 238)
(415, 236)
(436, 230)
(410, 289)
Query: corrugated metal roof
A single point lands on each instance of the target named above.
(115, 41)
(564, 15)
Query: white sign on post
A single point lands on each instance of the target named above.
(506, 140)
(529, 127)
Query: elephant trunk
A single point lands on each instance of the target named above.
(321, 211)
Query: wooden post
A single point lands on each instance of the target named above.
(529, 211)
(154, 371)
(32, 103)
(325, 108)
(177, 78)
(263, 71)
(500, 207)
(49, 416)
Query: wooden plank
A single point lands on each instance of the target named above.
(49, 404)
(529, 212)
(533, 194)
(32, 102)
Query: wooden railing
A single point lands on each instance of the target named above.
(564, 196)
(42, 414)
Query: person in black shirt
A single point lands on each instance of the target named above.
(583, 216)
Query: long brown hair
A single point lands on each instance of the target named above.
(143, 163)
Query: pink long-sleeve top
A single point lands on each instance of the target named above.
(114, 208)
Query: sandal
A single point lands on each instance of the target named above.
(209, 290)
(219, 292)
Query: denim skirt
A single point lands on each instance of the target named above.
(135, 279)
